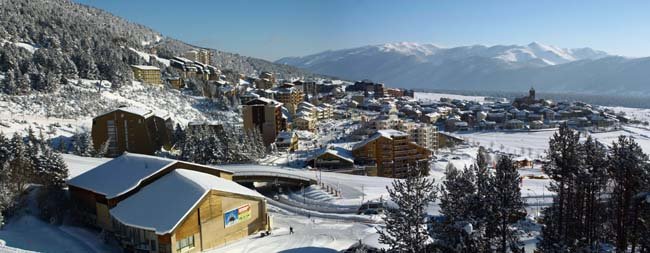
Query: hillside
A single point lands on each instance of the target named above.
(46, 43)
(482, 68)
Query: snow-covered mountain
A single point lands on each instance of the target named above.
(478, 67)
(534, 53)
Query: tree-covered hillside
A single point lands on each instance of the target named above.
(46, 43)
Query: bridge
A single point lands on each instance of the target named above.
(250, 173)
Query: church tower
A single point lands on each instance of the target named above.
(531, 93)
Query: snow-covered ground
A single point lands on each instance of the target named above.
(317, 234)
(430, 97)
(634, 113)
(25, 231)
(313, 235)
(532, 144)
(641, 136)
(69, 110)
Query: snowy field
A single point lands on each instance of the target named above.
(531, 144)
(534, 144)
(429, 97)
(634, 113)
(641, 136)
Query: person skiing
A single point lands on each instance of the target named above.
(290, 230)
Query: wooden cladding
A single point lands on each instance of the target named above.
(189, 227)
(211, 207)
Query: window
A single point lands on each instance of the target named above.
(184, 243)
(112, 136)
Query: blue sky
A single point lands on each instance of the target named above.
(274, 29)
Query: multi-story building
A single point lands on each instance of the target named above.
(202, 56)
(308, 87)
(290, 97)
(266, 81)
(392, 153)
(425, 135)
(146, 74)
(266, 115)
(304, 122)
(132, 129)
(325, 111)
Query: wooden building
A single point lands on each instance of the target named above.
(152, 204)
(392, 152)
(266, 115)
(333, 158)
(132, 129)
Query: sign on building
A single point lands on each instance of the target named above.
(237, 215)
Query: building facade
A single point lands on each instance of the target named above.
(290, 97)
(146, 74)
(132, 129)
(266, 115)
(152, 204)
(392, 152)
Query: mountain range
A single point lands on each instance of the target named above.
(485, 68)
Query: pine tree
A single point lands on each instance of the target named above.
(82, 144)
(51, 169)
(458, 199)
(590, 186)
(507, 205)
(630, 175)
(564, 157)
(21, 167)
(483, 212)
(9, 85)
(405, 224)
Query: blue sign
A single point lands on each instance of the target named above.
(231, 217)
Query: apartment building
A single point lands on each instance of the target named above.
(266, 115)
(132, 129)
(146, 74)
(290, 97)
(392, 153)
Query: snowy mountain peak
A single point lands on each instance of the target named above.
(410, 48)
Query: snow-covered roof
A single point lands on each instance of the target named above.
(388, 133)
(391, 133)
(139, 111)
(265, 101)
(145, 67)
(285, 137)
(338, 152)
(122, 174)
(163, 204)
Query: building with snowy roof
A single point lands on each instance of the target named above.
(132, 129)
(146, 74)
(265, 115)
(390, 153)
(287, 141)
(153, 204)
(334, 158)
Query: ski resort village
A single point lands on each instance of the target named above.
(115, 138)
